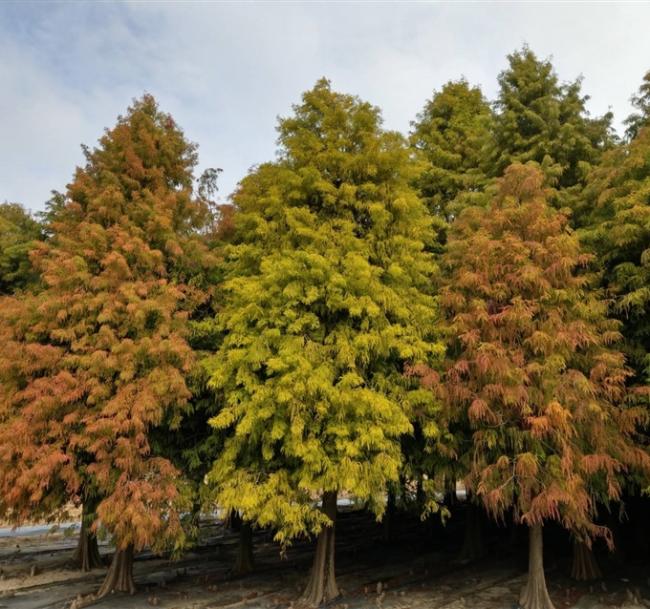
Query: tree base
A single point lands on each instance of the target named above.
(535, 593)
(585, 567)
(120, 575)
(322, 587)
(118, 579)
(86, 557)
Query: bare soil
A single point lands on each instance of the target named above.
(417, 570)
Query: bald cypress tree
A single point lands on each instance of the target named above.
(540, 119)
(533, 372)
(450, 136)
(327, 299)
(99, 357)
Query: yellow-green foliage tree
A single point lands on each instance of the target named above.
(326, 299)
(95, 360)
(532, 370)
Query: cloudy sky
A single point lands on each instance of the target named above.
(226, 70)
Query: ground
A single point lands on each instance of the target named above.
(418, 571)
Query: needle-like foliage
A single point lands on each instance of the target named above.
(618, 196)
(98, 357)
(328, 297)
(534, 369)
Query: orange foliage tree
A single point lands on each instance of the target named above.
(533, 373)
(99, 358)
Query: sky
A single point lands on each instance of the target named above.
(227, 70)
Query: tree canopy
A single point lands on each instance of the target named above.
(539, 119)
(533, 369)
(327, 298)
(98, 357)
(641, 116)
(450, 135)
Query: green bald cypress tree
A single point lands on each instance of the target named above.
(450, 136)
(540, 119)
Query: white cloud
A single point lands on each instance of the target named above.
(225, 71)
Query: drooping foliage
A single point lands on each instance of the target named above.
(18, 233)
(194, 446)
(450, 137)
(98, 358)
(326, 299)
(539, 119)
(532, 368)
(618, 196)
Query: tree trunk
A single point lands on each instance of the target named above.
(322, 587)
(120, 574)
(86, 557)
(234, 521)
(419, 492)
(195, 518)
(451, 498)
(244, 563)
(473, 546)
(535, 594)
(118, 579)
(389, 517)
(584, 567)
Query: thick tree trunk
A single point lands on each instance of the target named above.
(322, 587)
(118, 579)
(244, 563)
(473, 546)
(120, 574)
(584, 567)
(535, 594)
(86, 557)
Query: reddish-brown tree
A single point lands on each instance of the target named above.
(533, 372)
(98, 358)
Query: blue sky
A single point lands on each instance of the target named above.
(227, 70)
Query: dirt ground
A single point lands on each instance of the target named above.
(418, 570)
